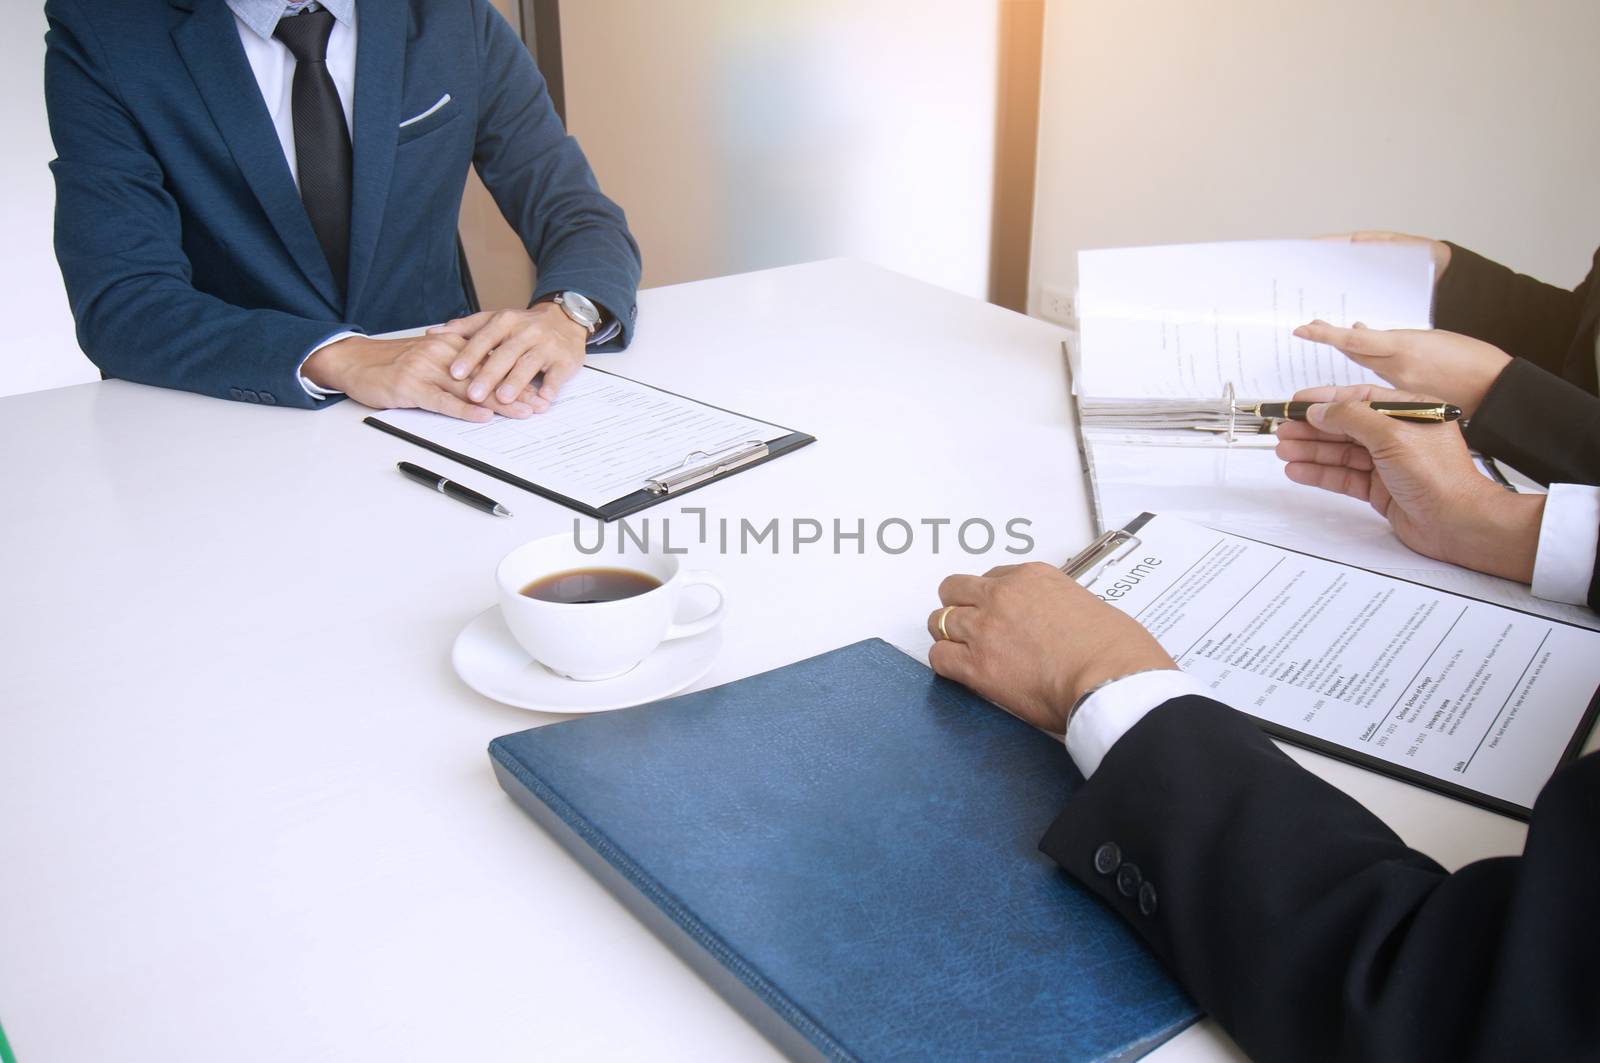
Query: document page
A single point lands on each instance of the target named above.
(1461, 692)
(601, 440)
(1185, 321)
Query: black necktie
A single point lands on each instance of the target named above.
(321, 141)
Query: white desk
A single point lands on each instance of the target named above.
(245, 807)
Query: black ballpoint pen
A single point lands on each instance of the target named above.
(452, 489)
(1426, 412)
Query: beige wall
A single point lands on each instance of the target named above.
(742, 134)
(1172, 121)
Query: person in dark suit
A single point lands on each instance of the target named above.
(1304, 925)
(246, 188)
(1517, 355)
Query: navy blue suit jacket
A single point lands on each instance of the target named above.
(188, 257)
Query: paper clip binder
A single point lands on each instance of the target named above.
(700, 466)
(1112, 546)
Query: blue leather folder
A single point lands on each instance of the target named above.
(846, 848)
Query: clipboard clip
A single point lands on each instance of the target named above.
(1092, 559)
(699, 466)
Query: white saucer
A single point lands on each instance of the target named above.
(489, 660)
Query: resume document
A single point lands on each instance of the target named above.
(1473, 698)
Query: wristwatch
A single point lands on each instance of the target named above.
(580, 309)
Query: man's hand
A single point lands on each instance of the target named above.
(1033, 641)
(413, 371)
(1433, 362)
(1419, 477)
(506, 349)
(1438, 250)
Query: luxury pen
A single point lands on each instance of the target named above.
(1426, 412)
(452, 489)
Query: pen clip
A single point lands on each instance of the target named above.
(1092, 559)
(698, 466)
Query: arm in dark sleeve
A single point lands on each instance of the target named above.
(1540, 425)
(1520, 315)
(578, 239)
(1594, 584)
(1310, 931)
(118, 241)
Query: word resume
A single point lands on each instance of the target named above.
(1476, 699)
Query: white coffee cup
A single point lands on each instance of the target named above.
(598, 640)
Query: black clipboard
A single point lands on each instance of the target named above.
(698, 469)
(1101, 548)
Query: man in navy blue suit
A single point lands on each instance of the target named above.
(246, 188)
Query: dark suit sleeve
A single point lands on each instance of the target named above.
(1539, 424)
(1310, 931)
(1520, 315)
(578, 239)
(1594, 584)
(118, 238)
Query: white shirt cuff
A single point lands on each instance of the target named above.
(1569, 534)
(317, 391)
(605, 333)
(1110, 712)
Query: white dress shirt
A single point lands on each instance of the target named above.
(1569, 536)
(273, 66)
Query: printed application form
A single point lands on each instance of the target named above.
(1465, 696)
(604, 437)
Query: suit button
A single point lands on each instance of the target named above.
(1107, 857)
(1147, 899)
(235, 393)
(266, 397)
(1129, 880)
(250, 396)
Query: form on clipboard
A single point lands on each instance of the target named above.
(608, 447)
(1472, 699)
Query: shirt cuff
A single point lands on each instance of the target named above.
(606, 332)
(317, 391)
(1110, 712)
(1569, 534)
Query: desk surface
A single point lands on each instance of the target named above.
(245, 807)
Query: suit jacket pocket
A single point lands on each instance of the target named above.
(429, 118)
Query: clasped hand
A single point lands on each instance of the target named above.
(510, 362)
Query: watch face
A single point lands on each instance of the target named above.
(579, 308)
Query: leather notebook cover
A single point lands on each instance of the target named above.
(847, 849)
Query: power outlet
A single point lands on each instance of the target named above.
(1058, 305)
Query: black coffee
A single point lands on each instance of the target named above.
(587, 586)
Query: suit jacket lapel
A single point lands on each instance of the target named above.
(208, 40)
(380, 71)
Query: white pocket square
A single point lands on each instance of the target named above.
(414, 119)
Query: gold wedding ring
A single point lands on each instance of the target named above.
(943, 615)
